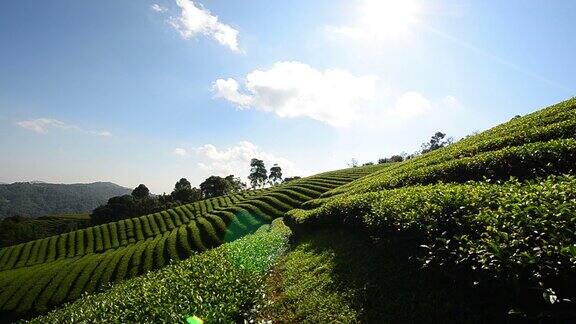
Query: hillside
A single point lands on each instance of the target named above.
(41, 274)
(36, 199)
(482, 230)
(492, 214)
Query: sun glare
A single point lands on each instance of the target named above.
(390, 18)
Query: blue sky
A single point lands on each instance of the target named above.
(152, 91)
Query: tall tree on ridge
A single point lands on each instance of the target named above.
(275, 174)
(258, 173)
(436, 141)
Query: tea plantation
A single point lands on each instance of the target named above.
(482, 230)
(495, 212)
(39, 275)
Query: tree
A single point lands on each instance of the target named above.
(182, 184)
(17, 229)
(258, 173)
(184, 193)
(368, 163)
(396, 158)
(217, 186)
(436, 141)
(353, 163)
(141, 192)
(288, 179)
(214, 186)
(166, 201)
(275, 174)
(236, 184)
(392, 159)
(117, 208)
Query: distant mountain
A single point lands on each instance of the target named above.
(35, 199)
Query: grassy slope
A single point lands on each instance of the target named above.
(355, 279)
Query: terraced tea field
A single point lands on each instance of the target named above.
(495, 211)
(39, 275)
(484, 227)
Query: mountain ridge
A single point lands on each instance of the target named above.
(36, 199)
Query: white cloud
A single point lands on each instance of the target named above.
(236, 160)
(411, 104)
(180, 152)
(228, 89)
(294, 89)
(194, 20)
(43, 125)
(379, 19)
(158, 8)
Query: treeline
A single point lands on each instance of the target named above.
(17, 229)
(438, 140)
(141, 202)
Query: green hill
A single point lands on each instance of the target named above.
(492, 215)
(36, 199)
(41, 274)
(483, 230)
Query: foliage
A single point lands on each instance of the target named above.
(216, 186)
(524, 161)
(517, 234)
(128, 206)
(184, 193)
(275, 174)
(288, 179)
(219, 285)
(141, 192)
(15, 230)
(117, 208)
(258, 173)
(436, 141)
(235, 184)
(392, 159)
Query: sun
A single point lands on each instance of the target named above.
(389, 18)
